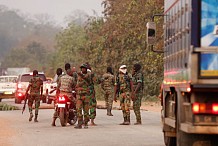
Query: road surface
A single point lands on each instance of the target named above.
(16, 130)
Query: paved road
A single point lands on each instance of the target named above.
(19, 131)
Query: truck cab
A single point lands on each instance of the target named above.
(22, 84)
(190, 86)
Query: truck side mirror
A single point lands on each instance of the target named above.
(151, 33)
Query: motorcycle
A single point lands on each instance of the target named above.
(66, 110)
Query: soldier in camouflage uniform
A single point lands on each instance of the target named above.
(71, 72)
(36, 88)
(137, 79)
(123, 83)
(55, 115)
(83, 96)
(108, 87)
(65, 86)
(93, 102)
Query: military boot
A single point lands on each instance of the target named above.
(86, 125)
(92, 123)
(78, 126)
(127, 121)
(138, 122)
(35, 119)
(109, 112)
(125, 118)
(53, 122)
(31, 117)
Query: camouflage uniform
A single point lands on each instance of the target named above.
(125, 97)
(137, 78)
(108, 87)
(93, 102)
(83, 97)
(65, 85)
(35, 85)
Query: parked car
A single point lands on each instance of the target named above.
(22, 84)
(7, 87)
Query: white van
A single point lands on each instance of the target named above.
(7, 87)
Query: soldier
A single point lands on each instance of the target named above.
(71, 72)
(83, 96)
(108, 88)
(55, 115)
(123, 83)
(93, 101)
(36, 88)
(65, 86)
(137, 79)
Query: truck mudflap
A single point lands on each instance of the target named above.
(189, 128)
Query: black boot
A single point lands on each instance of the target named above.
(124, 121)
(127, 121)
(109, 112)
(31, 117)
(35, 119)
(78, 126)
(53, 122)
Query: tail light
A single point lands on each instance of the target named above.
(205, 108)
(19, 85)
(215, 108)
(195, 108)
(20, 94)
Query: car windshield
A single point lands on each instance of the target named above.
(7, 79)
(27, 77)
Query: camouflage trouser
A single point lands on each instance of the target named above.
(82, 104)
(109, 100)
(137, 105)
(31, 99)
(92, 107)
(125, 103)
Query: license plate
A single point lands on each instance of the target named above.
(8, 93)
(61, 105)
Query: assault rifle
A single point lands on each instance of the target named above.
(24, 106)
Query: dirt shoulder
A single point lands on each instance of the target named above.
(147, 106)
(5, 132)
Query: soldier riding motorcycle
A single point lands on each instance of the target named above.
(65, 108)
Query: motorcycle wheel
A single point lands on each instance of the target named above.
(72, 117)
(62, 117)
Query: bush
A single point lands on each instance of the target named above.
(6, 107)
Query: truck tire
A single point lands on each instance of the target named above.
(0, 99)
(62, 117)
(169, 141)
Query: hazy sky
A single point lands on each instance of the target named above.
(57, 8)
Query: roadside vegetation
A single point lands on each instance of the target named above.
(6, 107)
(119, 37)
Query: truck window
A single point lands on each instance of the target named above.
(27, 77)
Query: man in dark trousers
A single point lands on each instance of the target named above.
(36, 89)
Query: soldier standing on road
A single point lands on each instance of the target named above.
(55, 115)
(83, 96)
(137, 79)
(124, 83)
(93, 101)
(36, 89)
(108, 88)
